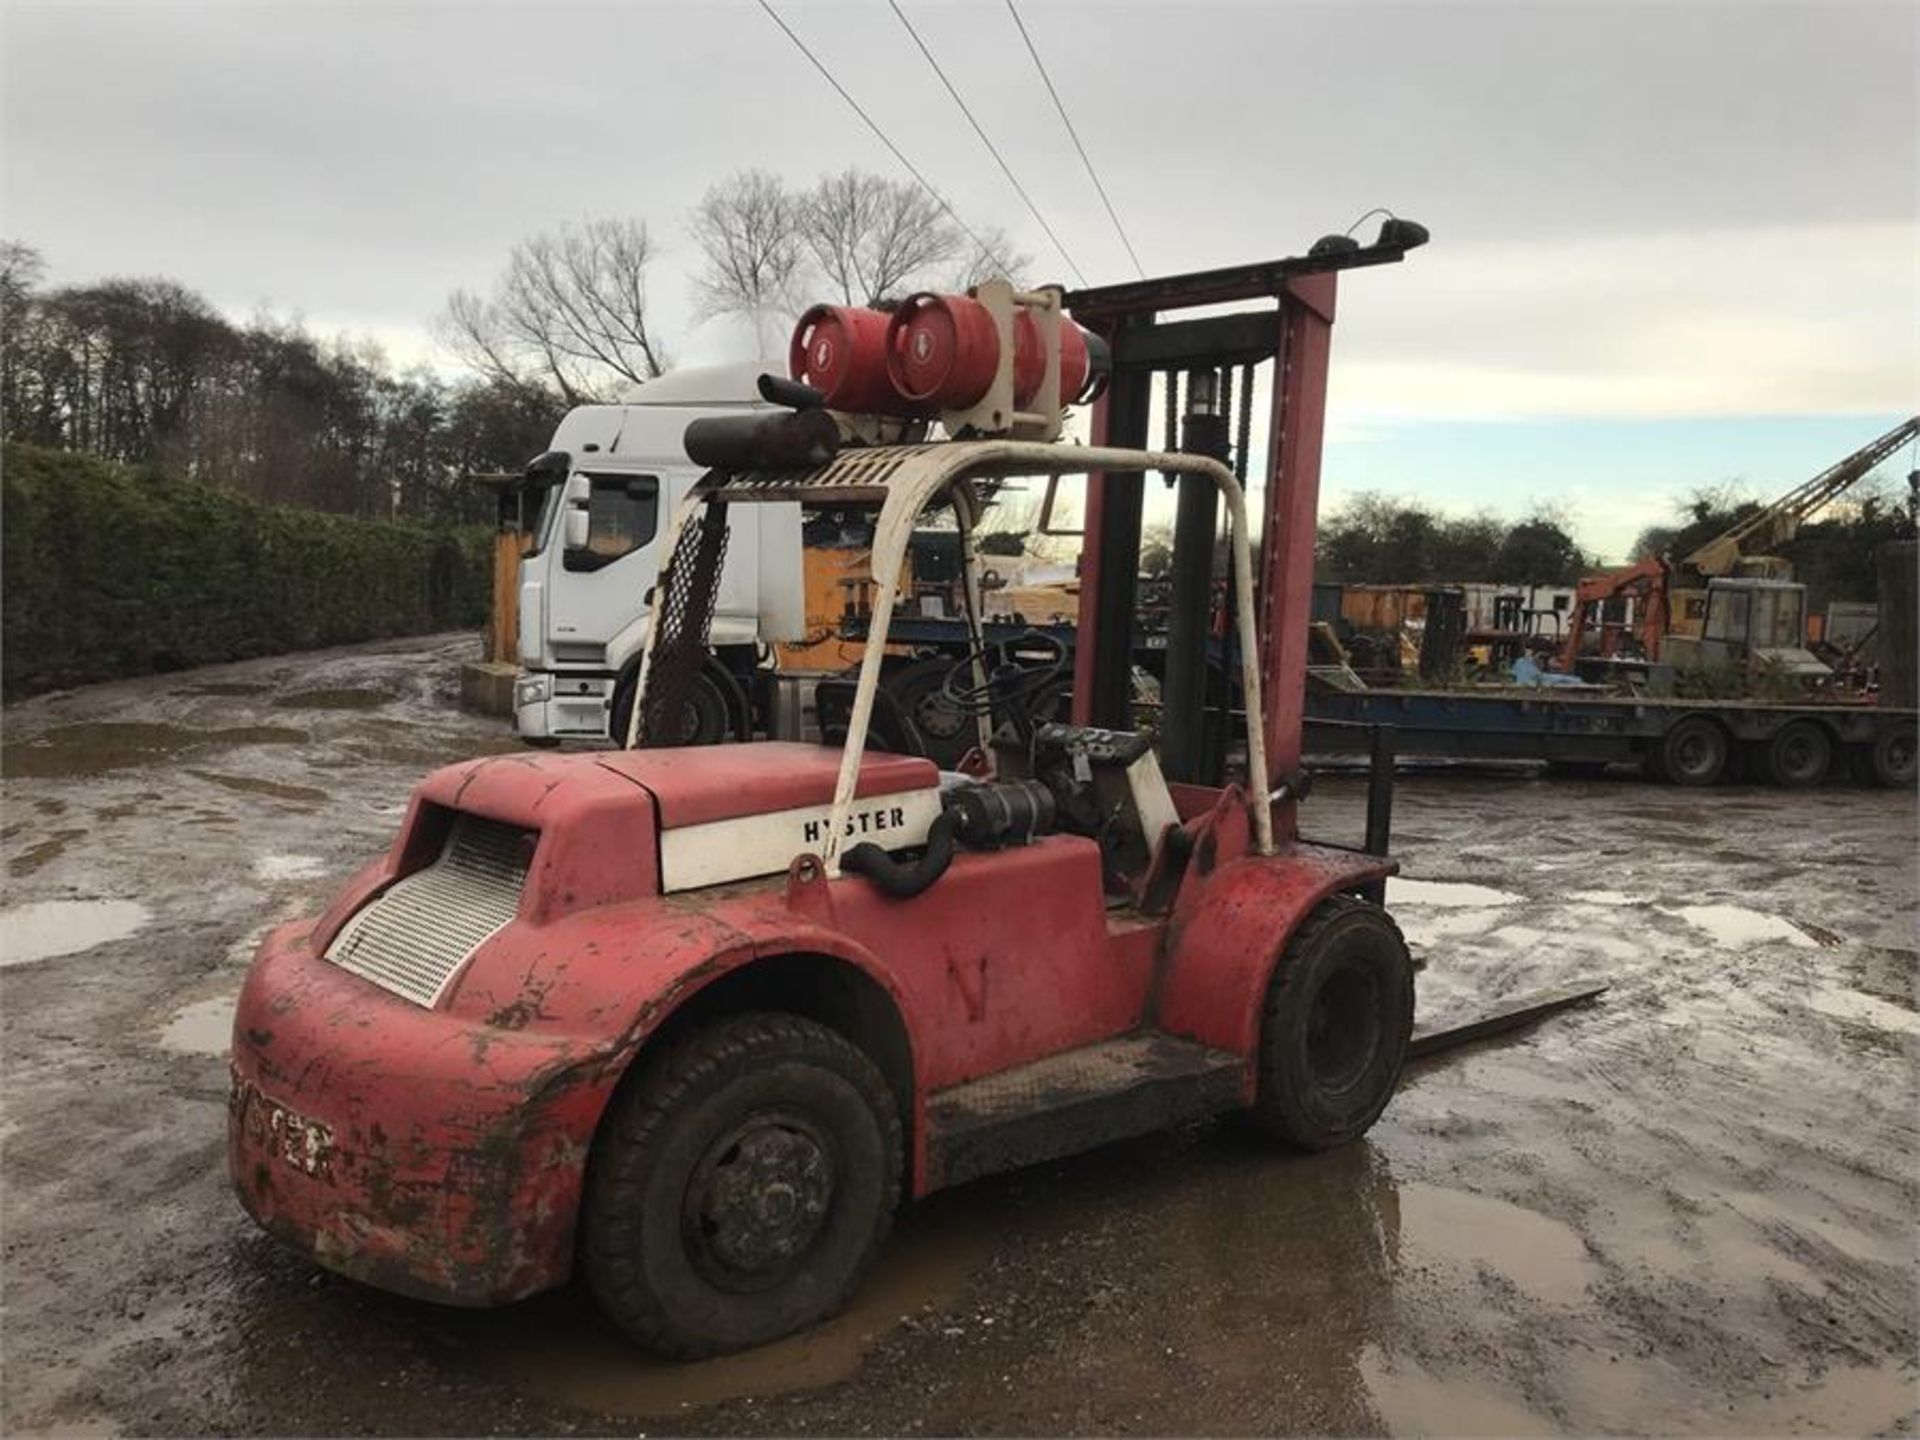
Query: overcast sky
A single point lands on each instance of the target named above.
(1673, 243)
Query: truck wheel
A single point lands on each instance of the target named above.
(706, 721)
(947, 731)
(1693, 752)
(1797, 755)
(1334, 1034)
(740, 1185)
(1891, 758)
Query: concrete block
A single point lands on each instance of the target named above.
(486, 687)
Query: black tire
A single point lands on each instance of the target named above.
(708, 718)
(947, 732)
(1796, 756)
(1338, 1016)
(679, 1243)
(1693, 752)
(1894, 758)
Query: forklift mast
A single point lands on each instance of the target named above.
(1286, 329)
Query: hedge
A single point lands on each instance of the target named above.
(108, 571)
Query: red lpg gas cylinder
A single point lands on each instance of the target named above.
(942, 352)
(841, 350)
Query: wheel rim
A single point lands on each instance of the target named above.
(1695, 753)
(1801, 754)
(758, 1200)
(1343, 1028)
(1899, 750)
(936, 717)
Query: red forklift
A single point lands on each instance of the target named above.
(687, 1022)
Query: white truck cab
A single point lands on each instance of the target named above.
(594, 552)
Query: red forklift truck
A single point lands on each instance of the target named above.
(687, 1022)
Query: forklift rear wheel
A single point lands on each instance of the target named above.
(740, 1185)
(1796, 756)
(705, 723)
(1339, 1013)
(1693, 752)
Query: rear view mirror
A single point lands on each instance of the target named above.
(579, 493)
(550, 468)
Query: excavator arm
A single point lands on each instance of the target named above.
(1645, 580)
(1768, 529)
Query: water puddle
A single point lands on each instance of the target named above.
(1857, 1009)
(289, 867)
(1409, 1401)
(1453, 894)
(47, 929)
(339, 699)
(579, 1360)
(202, 1028)
(96, 747)
(1734, 927)
(1467, 1234)
(249, 785)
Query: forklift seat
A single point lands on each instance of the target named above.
(890, 729)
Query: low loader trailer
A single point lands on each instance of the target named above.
(1682, 742)
(688, 1022)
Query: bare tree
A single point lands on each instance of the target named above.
(994, 258)
(20, 269)
(569, 314)
(746, 228)
(872, 236)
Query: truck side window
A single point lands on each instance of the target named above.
(623, 514)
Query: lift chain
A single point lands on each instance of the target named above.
(1245, 437)
(1172, 418)
(692, 579)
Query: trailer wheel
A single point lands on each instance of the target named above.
(708, 721)
(1796, 756)
(740, 1185)
(1890, 759)
(1338, 1016)
(1693, 752)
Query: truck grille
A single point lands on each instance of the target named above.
(414, 939)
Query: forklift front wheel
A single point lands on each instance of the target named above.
(740, 1185)
(1339, 1013)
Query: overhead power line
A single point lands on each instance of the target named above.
(992, 149)
(1092, 174)
(874, 125)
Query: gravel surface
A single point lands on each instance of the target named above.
(1690, 1207)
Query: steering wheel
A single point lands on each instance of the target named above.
(1008, 681)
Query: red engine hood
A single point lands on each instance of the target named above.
(599, 815)
(723, 782)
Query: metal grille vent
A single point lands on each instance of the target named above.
(415, 938)
(692, 582)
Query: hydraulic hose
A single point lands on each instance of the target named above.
(903, 882)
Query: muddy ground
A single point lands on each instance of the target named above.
(1692, 1207)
